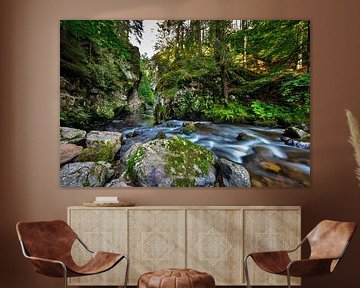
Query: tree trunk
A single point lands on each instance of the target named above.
(220, 54)
(199, 39)
(244, 27)
(179, 38)
(299, 64)
(224, 83)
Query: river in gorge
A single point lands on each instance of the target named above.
(270, 162)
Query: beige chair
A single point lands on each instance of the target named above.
(48, 245)
(328, 242)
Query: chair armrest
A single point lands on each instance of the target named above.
(309, 267)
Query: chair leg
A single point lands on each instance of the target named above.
(65, 276)
(127, 271)
(246, 270)
(288, 278)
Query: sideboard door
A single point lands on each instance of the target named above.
(214, 244)
(270, 229)
(101, 230)
(156, 240)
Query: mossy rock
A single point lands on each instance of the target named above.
(72, 135)
(296, 133)
(86, 174)
(189, 127)
(172, 162)
(102, 152)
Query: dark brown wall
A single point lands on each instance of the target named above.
(29, 119)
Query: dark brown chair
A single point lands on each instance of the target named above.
(328, 242)
(48, 245)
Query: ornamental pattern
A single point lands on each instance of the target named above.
(156, 246)
(213, 246)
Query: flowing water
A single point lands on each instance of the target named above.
(269, 161)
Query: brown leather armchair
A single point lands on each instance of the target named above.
(328, 242)
(48, 245)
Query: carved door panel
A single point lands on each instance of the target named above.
(156, 240)
(214, 244)
(101, 230)
(267, 230)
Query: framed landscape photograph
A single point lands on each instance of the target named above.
(185, 103)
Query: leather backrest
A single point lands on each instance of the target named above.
(46, 239)
(329, 239)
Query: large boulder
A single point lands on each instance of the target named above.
(172, 162)
(72, 135)
(101, 146)
(84, 174)
(234, 174)
(98, 138)
(68, 152)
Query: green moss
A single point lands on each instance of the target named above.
(187, 159)
(160, 113)
(189, 128)
(136, 156)
(102, 152)
(74, 116)
(184, 182)
(86, 183)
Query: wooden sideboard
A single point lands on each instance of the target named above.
(211, 239)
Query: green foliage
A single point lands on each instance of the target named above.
(231, 113)
(276, 42)
(266, 113)
(297, 90)
(105, 111)
(135, 157)
(108, 34)
(92, 63)
(270, 114)
(99, 64)
(145, 91)
(248, 71)
(74, 117)
(183, 73)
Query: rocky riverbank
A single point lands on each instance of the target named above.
(95, 159)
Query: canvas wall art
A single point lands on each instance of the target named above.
(185, 103)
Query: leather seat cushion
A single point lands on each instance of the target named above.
(176, 278)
